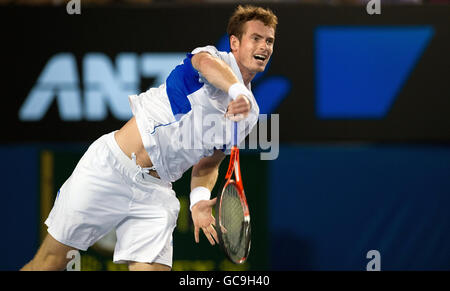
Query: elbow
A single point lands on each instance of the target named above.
(201, 61)
(209, 164)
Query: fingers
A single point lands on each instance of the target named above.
(212, 202)
(240, 106)
(203, 220)
(210, 234)
(213, 224)
(196, 232)
(214, 234)
(238, 109)
(235, 117)
(223, 229)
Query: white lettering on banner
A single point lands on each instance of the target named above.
(105, 86)
(58, 79)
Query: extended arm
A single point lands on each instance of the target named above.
(204, 177)
(220, 75)
(216, 71)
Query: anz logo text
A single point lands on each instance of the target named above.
(104, 86)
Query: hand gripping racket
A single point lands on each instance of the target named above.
(232, 213)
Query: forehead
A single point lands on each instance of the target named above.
(257, 26)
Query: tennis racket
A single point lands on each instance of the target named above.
(232, 213)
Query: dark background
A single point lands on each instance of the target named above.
(339, 187)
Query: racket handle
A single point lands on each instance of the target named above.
(235, 127)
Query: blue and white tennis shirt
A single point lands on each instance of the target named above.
(183, 120)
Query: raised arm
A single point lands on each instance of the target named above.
(216, 71)
(219, 74)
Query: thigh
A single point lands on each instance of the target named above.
(92, 200)
(146, 235)
(146, 239)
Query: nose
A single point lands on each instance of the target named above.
(265, 47)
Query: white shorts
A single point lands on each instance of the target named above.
(106, 191)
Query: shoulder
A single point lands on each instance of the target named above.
(212, 51)
(203, 55)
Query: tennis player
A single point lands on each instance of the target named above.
(124, 179)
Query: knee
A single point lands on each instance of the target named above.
(51, 256)
(54, 263)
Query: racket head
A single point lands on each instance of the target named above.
(233, 222)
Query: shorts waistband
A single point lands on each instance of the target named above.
(128, 163)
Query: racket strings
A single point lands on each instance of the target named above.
(232, 218)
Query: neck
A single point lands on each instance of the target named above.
(247, 76)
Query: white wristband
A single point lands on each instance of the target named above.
(199, 193)
(238, 89)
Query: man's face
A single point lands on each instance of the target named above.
(253, 51)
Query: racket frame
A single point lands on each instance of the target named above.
(234, 168)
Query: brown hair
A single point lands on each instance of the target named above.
(242, 14)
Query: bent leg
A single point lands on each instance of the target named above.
(51, 256)
(136, 266)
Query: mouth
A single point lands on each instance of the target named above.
(260, 57)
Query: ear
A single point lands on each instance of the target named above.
(234, 43)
